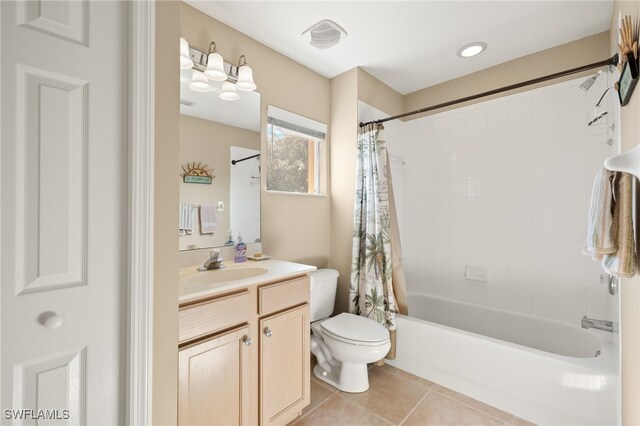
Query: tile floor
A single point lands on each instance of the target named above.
(396, 397)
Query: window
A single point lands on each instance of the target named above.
(294, 151)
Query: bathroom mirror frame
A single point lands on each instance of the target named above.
(210, 130)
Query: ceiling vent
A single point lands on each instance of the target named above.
(186, 103)
(324, 34)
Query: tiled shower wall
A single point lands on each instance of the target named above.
(505, 185)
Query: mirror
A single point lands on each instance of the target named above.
(213, 133)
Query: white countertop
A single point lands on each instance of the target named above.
(195, 284)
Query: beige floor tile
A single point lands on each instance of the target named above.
(389, 395)
(522, 422)
(438, 409)
(407, 376)
(474, 403)
(337, 411)
(319, 394)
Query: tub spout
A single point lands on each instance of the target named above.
(599, 324)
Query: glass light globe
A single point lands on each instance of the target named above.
(215, 67)
(229, 92)
(245, 79)
(199, 82)
(185, 58)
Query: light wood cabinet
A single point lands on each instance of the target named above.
(214, 380)
(244, 356)
(284, 365)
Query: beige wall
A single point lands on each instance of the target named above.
(629, 289)
(210, 142)
(294, 227)
(343, 133)
(346, 89)
(570, 55)
(165, 241)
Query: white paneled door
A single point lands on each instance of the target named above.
(63, 87)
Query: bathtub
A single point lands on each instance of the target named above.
(545, 371)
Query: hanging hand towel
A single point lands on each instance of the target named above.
(622, 263)
(185, 226)
(600, 237)
(207, 219)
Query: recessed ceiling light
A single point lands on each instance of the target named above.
(472, 49)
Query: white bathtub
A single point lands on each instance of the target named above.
(542, 370)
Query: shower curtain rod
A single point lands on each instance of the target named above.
(611, 61)
(234, 162)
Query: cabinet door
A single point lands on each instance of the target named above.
(284, 365)
(214, 381)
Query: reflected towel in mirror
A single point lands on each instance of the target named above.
(185, 226)
(208, 220)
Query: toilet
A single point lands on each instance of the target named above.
(344, 344)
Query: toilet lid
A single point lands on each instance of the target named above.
(355, 328)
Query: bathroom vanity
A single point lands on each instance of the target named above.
(244, 344)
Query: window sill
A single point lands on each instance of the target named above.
(303, 194)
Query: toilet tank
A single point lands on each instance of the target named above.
(323, 293)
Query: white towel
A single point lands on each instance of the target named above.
(185, 226)
(207, 219)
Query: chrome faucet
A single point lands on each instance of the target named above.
(214, 261)
(599, 324)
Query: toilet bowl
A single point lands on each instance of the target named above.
(343, 345)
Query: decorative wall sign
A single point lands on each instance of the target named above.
(628, 79)
(197, 173)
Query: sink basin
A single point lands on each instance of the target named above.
(226, 274)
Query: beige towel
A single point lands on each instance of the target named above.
(622, 263)
(600, 237)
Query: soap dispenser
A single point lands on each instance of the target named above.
(241, 251)
(230, 241)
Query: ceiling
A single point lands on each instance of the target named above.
(410, 45)
(243, 113)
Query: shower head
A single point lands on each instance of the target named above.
(586, 85)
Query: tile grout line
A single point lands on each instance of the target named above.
(429, 391)
(476, 409)
(405, 381)
(315, 408)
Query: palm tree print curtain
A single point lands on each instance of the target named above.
(371, 291)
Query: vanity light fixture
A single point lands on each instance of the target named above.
(215, 65)
(185, 58)
(199, 82)
(212, 67)
(472, 49)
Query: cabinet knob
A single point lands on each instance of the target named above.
(247, 340)
(267, 332)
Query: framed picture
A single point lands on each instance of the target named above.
(628, 79)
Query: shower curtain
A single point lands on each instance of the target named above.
(371, 289)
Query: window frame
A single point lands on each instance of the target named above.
(315, 137)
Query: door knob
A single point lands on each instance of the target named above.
(247, 340)
(50, 320)
(267, 332)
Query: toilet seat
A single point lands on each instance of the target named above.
(355, 330)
